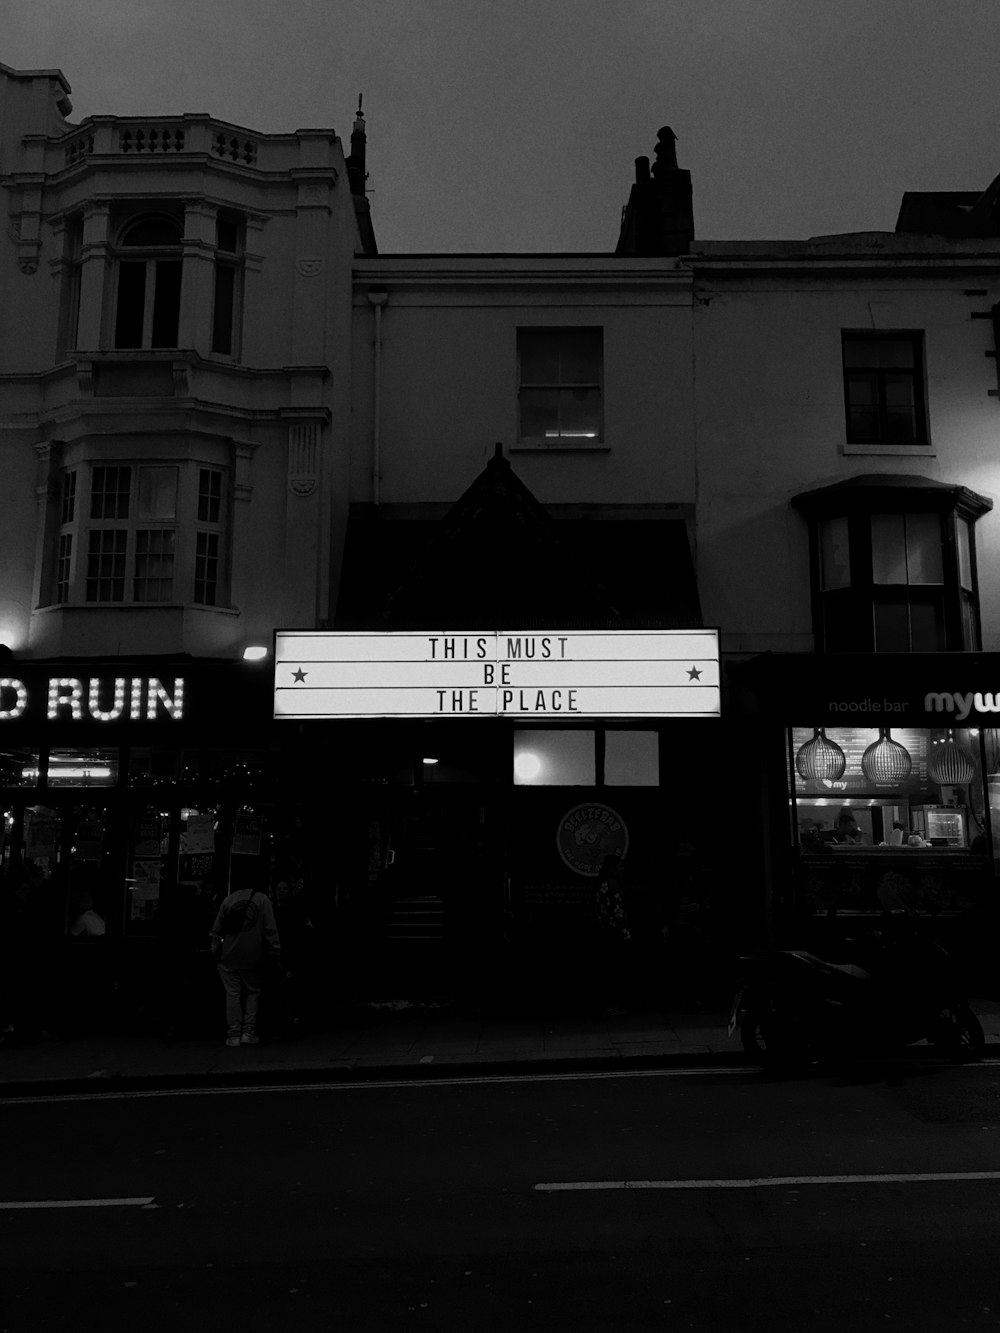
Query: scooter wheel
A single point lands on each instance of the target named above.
(963, 1037)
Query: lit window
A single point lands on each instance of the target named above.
(559, 386)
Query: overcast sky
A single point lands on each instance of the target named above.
(512, 125)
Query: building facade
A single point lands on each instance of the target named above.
(315, 558)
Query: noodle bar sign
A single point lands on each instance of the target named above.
(565, 673)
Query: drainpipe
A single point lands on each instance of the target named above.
(378, 300)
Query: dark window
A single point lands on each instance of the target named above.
(154, 565)
(559, 385)
(228, 269)
(109, 492)
(106, 556)
(68, 505)
(883, 388)
(147, 309)
(206, 568)
(894, 567)
(209, 495)
(63, 566)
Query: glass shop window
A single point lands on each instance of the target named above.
(554, 759)
(82, 768)
(19, 768)
(631, 759)
(863, 787)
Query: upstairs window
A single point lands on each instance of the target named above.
(559, 386)
(147, 533)
(148, 283)
(229, 236)
(894, 567)
(884, 389)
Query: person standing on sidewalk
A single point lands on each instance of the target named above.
(243, 934)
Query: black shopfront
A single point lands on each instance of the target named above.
(881, 783)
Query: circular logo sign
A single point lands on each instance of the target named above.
(587, 834)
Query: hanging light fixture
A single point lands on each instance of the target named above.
(886, 762)
(951, 764)
(820, 758)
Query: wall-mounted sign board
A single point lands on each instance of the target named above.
(507, 673)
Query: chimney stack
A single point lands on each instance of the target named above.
(659, 216)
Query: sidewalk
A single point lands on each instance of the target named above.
(389, 1043)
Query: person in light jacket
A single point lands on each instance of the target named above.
(244, 932)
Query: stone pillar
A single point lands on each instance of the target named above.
(95, 326)
(194, 329)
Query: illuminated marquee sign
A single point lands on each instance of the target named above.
(95, 699)
(565, 673)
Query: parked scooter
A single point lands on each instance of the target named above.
(900, 988)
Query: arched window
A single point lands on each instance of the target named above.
(148, 274)
(894, 565)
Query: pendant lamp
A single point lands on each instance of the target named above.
(951, 765)
(820, 758)
(886, 762)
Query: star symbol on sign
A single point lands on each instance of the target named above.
(299, 675)
(694, 674)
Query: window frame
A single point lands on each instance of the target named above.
(230, 262)
(558, 387)
(149, 257)
(154, 546)
(883, 440)
(851, 609)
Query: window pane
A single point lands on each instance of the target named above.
(227, 235)
(878, 352)
(927, 633)
(892, 623)
(834, 553)
(539, 414)
(106, 565)
(68, 510)
(157, 493)
(554, 759)
(970, 640)
(924, 558)
(580, 414)
(206, 568)
(131, 303)
(539, 356)
(209, 495)
(631, 759)
(166, 302)
(154, 565)
(63, 566)
(109, 492)
(222, 314)
(888, 548)
(579, 356)
(964, 529)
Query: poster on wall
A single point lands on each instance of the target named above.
(247, 835)
(587, 834)
(145, 896)
(148, 836)
(198, 834)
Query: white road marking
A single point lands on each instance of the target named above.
(763, 1182)
(374, 1084)
(78, 1203)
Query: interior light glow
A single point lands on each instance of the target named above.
(527, 766)
(57, 771)
(254, 652)
(430, 759)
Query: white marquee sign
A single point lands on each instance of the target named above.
(510, 673)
